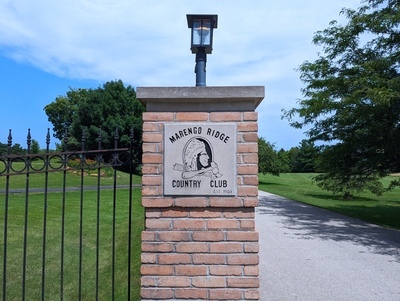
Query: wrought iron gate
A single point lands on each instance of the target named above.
(66, 220)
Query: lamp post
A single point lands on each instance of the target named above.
(202, 27)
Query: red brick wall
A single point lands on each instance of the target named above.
(200, 247)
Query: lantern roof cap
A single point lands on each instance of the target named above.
(214, 19)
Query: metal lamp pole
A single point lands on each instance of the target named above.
(200, 69)
(202, 27)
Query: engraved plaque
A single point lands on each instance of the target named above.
(200, 159)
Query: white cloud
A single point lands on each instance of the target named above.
(146, 43)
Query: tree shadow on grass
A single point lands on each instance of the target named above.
(308, 222)
(270, 183)
(339, 198)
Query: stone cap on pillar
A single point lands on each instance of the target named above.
(201, 99)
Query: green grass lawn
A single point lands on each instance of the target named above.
(15, 240)
(383, 210)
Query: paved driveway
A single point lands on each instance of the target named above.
(311, 254)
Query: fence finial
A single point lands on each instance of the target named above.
(29, 141)
(9, 142)
(48, 136)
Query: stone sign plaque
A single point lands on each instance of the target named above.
(200, 159)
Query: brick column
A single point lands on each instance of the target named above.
(200, 246)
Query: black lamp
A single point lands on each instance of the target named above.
(201, 42)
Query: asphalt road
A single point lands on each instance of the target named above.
(311, 254)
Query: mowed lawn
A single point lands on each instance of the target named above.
(110, 244)
(382, 210)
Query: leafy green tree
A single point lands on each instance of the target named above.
(61, 111)
(88, 112)
(352, 98)
(340, 178)
(268, 160)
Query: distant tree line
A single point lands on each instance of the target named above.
(17, 149)
(298, 159)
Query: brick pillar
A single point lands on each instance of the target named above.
(200, 246)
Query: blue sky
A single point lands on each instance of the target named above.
(48, 46)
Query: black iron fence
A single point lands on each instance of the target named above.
(66, 219)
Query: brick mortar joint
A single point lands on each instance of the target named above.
(190, 233)
(209, 291)
(158, 277)
(210, 245)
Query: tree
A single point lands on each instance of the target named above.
(35, 147)
(284, 159)
(61, 111)
(268, 160)
(340, 178)
(292, 155)
(88, 112)
(305, 159)
(352, 98)
(16, 149)
(3, 149)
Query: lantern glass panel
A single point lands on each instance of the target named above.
(196, 32)
(205, 33)
(201, 32)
